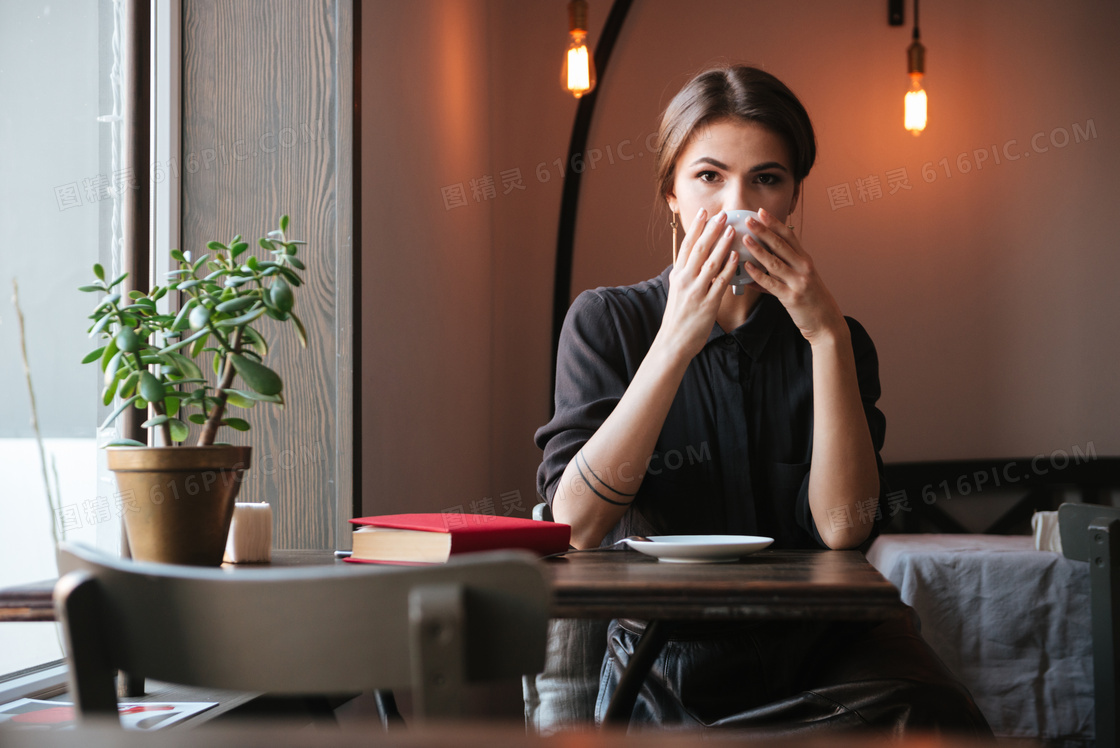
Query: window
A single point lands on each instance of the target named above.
(60, 79)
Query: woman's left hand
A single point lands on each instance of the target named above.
(791, 276)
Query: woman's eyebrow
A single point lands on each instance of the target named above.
(709, 160)
(768, 165)
(752, 170)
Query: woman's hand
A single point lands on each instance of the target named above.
(791, 276)
(704, 267)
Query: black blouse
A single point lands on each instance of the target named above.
(733, 456)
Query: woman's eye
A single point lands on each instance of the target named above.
(707, 176)
(769, 179)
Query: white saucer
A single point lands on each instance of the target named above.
(700, 549)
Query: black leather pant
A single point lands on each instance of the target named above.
(794, 677)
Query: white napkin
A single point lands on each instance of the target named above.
(1046, 535)
(250, 534)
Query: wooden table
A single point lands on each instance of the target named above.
(837, 585)
(771, 584)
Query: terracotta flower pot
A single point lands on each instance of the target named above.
(177, 502)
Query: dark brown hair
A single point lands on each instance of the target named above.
(735, 92)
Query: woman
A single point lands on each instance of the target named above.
(682, 407)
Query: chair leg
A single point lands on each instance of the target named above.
(129, 686)
(77, 598)
(1104, 552)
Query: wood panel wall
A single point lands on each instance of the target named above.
(267, 129)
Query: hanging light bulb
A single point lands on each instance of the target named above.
(914, 117)
(577, 76)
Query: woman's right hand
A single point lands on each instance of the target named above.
(705, 266)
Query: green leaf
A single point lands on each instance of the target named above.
(179, 430)
(197, 418)
(258, 376)
(238, 400)
(109, 300)
(255, 396)
(99, 271)
(291, 276)
(199, 316)
(176, 254)
(278, 315)
(171, 404)
(299, 330)
(125, 443)
(128, 386)
(119, 278)
(127, 340)
(296, 263)
(256, 340)
(94, 355)
(110, 391)
(120, 409)
(156, 421)
(215, 246)
(237, 248)
(244, 319)
(266, 244)
(181, 319)
(151, 389)
(101, 324)
(134, 294)
(147, 358)
(284, 222)
(238, 280)
(280, 293)
(200, 335)
(186, 367)
(111, 368)
(91, 289)
(199, 345)
(189, 284)
(198, 263)
(235, 305)
(240, 424)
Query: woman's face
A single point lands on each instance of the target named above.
(733, 165)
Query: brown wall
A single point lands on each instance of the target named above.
(987, 288)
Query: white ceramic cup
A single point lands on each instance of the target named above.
(737, 219)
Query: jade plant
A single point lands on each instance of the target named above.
(152, 359)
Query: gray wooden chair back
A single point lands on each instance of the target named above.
(1092, 533)
(302, 630)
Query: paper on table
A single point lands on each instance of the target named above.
(35, 713)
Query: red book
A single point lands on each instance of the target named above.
(433, 538)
